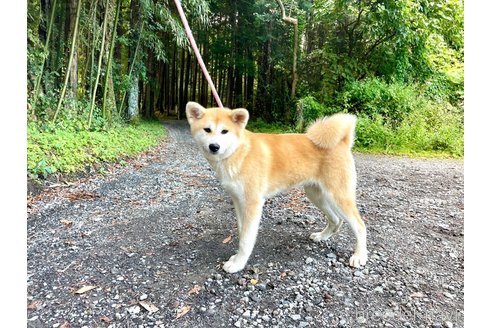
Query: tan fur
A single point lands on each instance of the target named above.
(255, 166)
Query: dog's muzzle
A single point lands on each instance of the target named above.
(214, 148)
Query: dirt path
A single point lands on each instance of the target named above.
(157, 232)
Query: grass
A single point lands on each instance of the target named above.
(70, 150)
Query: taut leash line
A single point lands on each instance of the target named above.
(197, 53)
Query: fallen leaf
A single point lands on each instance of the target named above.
(81, 195)
(227, 240)
(253, 281)
(105, 319)
(84, 289)
(66, 222)
(149, 306)
(66, 324)
(195, 290)
(181, 312)
(283, 274)
(34, 305)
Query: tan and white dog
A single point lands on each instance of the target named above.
(254, 166)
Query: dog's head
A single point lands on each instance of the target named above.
(217, 131)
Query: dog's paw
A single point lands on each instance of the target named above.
(320, 236)
(358, 260)
(234, 265)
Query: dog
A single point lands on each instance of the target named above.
(255, 166)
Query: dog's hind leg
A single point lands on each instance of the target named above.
(250, 211)
(315, 195)
(346, 208)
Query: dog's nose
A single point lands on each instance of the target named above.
(214, 148)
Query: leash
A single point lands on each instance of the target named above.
(197, 52)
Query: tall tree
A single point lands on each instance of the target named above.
(72, 51)
(101, 54)
(109, 72)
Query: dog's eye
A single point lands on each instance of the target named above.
(207, 130)
(224, 131)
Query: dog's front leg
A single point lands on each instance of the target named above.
(250, 215)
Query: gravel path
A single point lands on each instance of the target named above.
(147, 241)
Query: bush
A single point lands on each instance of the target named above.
(373, 97)
(435, 129)
(308, 110)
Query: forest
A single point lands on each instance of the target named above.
(106, 66)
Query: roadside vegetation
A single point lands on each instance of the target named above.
(69, 149)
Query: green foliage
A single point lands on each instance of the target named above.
(394, 118)
(435, 130)
(54, 149)
(373, 97)
(407, 41)
(261, 126)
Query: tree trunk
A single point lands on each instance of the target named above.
(74, 41)
(173, 82)
(101, 53)
(45, 55)
(181, 106)
(107, 112)
(135, 54)
(293, 22)
(187, 78)
(195, 79)
(133, 98)
(74, 68)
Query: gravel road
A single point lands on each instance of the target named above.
(143, 244)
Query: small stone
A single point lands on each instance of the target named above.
(247, 314)
(309, 260)
(265, 318)
(237, 323)
(448, 324)
(303, 324)
(448, 295)
(295, 317)
(342, 322)
(361, 320)
(143, 297)
(134, 309)
(254, 298)
(378, 289)
(358, 274)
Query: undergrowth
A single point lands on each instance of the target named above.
(53, 149)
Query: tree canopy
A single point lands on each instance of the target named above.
(96, 61)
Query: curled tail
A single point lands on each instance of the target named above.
(329, 131)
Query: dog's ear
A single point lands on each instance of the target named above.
(194, 111)
(240, 116)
